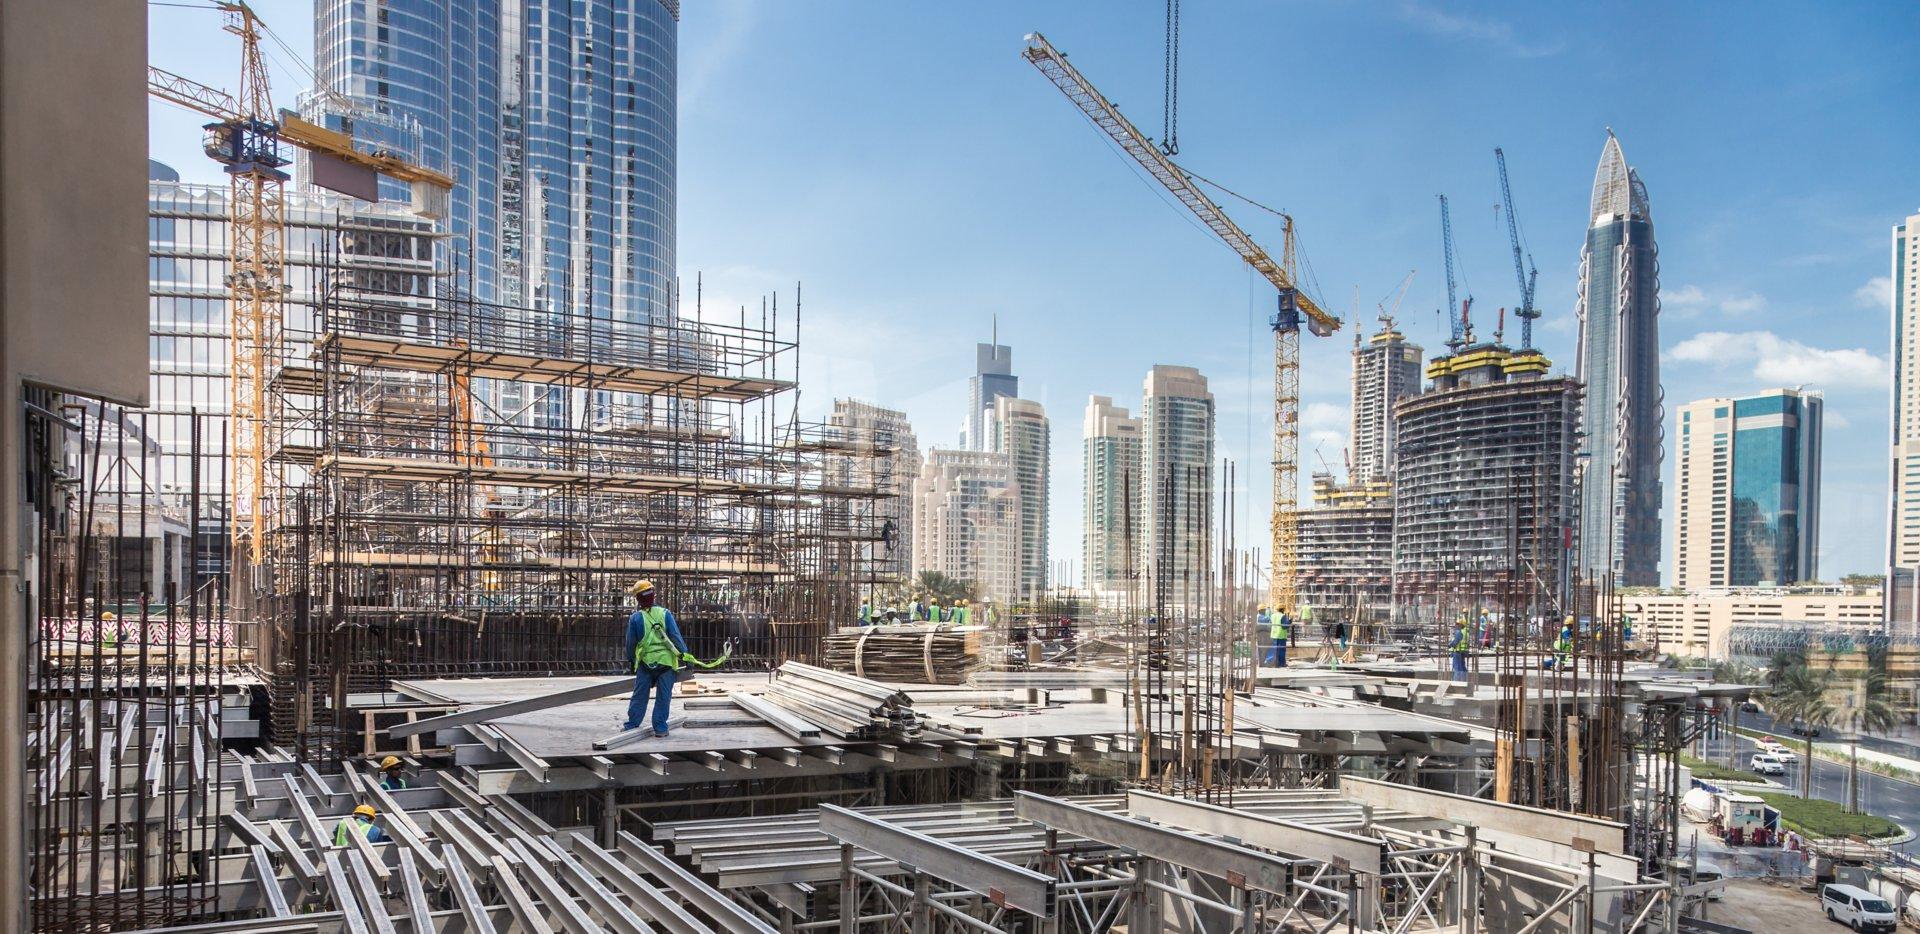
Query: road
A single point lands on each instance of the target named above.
(1890, 746)
(1891, 798)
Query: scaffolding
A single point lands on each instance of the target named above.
(483, 482)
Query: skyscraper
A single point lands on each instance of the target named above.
(1903, 469)
(1385, 369)
(1023, 434)
(558, 119)
(1747, 497)
(966, 521)
(1177, 468)
(1619, 361)
(1113, 518)
(992, 379)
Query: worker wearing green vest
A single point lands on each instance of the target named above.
(359, 823)
(1280, 629)
(391, 778)
(1563, 647)
(654, 648)
(962, 614)
(866, 612)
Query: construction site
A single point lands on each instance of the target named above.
(386, 570)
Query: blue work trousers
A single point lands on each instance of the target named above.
(1459, 666)
(1278, 654)
(658, 681)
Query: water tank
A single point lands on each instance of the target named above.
(1699, 804)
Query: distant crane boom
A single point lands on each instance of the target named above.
(1052, 63)
(1456, 313)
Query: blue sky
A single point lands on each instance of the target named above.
(904, 163)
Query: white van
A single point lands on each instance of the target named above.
(1857, 908)
(1766, 763)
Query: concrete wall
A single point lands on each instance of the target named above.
(73, 287)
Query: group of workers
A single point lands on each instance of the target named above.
(926, 610)
(361, 823)
(1279, 625)
(1464, 640)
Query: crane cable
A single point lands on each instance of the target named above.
(1170, 83)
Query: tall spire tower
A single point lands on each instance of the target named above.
(1619, 361)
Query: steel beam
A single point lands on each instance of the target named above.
(1361, 854)
(510, 708)
(719, 908)
(1540, 823)
(1238, 865)
(1001, 882)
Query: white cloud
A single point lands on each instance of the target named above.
(711, 52)
(1780, 361)
(1690, 300)
(1833, 419)
(1497, 33)
(1323, 416)
(1877, 293)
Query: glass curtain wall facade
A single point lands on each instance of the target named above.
(1619, 360)
(1903, 465)
(557, 119)
(1024, 434)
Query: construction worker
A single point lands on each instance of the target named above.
(654, 646)
(391, 778)
(935, 613)
(1461, 645)
(1563, 646)
(109, 630)
(360, 823)
(866, 612)
(962, 613)
(993, 615)
(1280, 628)
(918, 611)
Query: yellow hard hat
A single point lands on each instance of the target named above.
(963, 603)
(108, 615)
(1263, 608)
(390, 762)
(641, 587)
(365, 810)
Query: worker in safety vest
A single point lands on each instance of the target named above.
(935, 612)
(866, 612)
(962, 613)
(391, 778)
(654, 647)
(1461, 645)
(1563, 646)
(359, 823)
(109, 630)
(918, 611)
(1280, 629)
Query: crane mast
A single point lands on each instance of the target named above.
(1523, 270)
(1294, 306)
(246, 138)
(1456, 315)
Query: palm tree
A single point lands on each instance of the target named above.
(944, 588)
(1801, 695)
(1874, 712)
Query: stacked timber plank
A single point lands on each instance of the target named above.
(928, 654)
(847, 705)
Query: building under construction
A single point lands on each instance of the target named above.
(1346, 552)
(1483, 487)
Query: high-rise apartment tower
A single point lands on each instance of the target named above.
(1023, 434)
(992, 379)
(1385, 369)
(1177, 473)
(1619, 360)
(1903, 470)
(1114, 523)
(966, 521)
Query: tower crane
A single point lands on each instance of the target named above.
(246, 138)
(1293, 308)
(1524, 272)
(1459, 331)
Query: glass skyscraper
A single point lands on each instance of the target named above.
(1747, 507)
(557, 121)
(1619, 359)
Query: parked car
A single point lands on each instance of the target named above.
(1801, 729)
(1749, 707)
(1766, 764)
(1857, 908)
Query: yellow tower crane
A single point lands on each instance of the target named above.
(1294, 304)
(246, 140)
